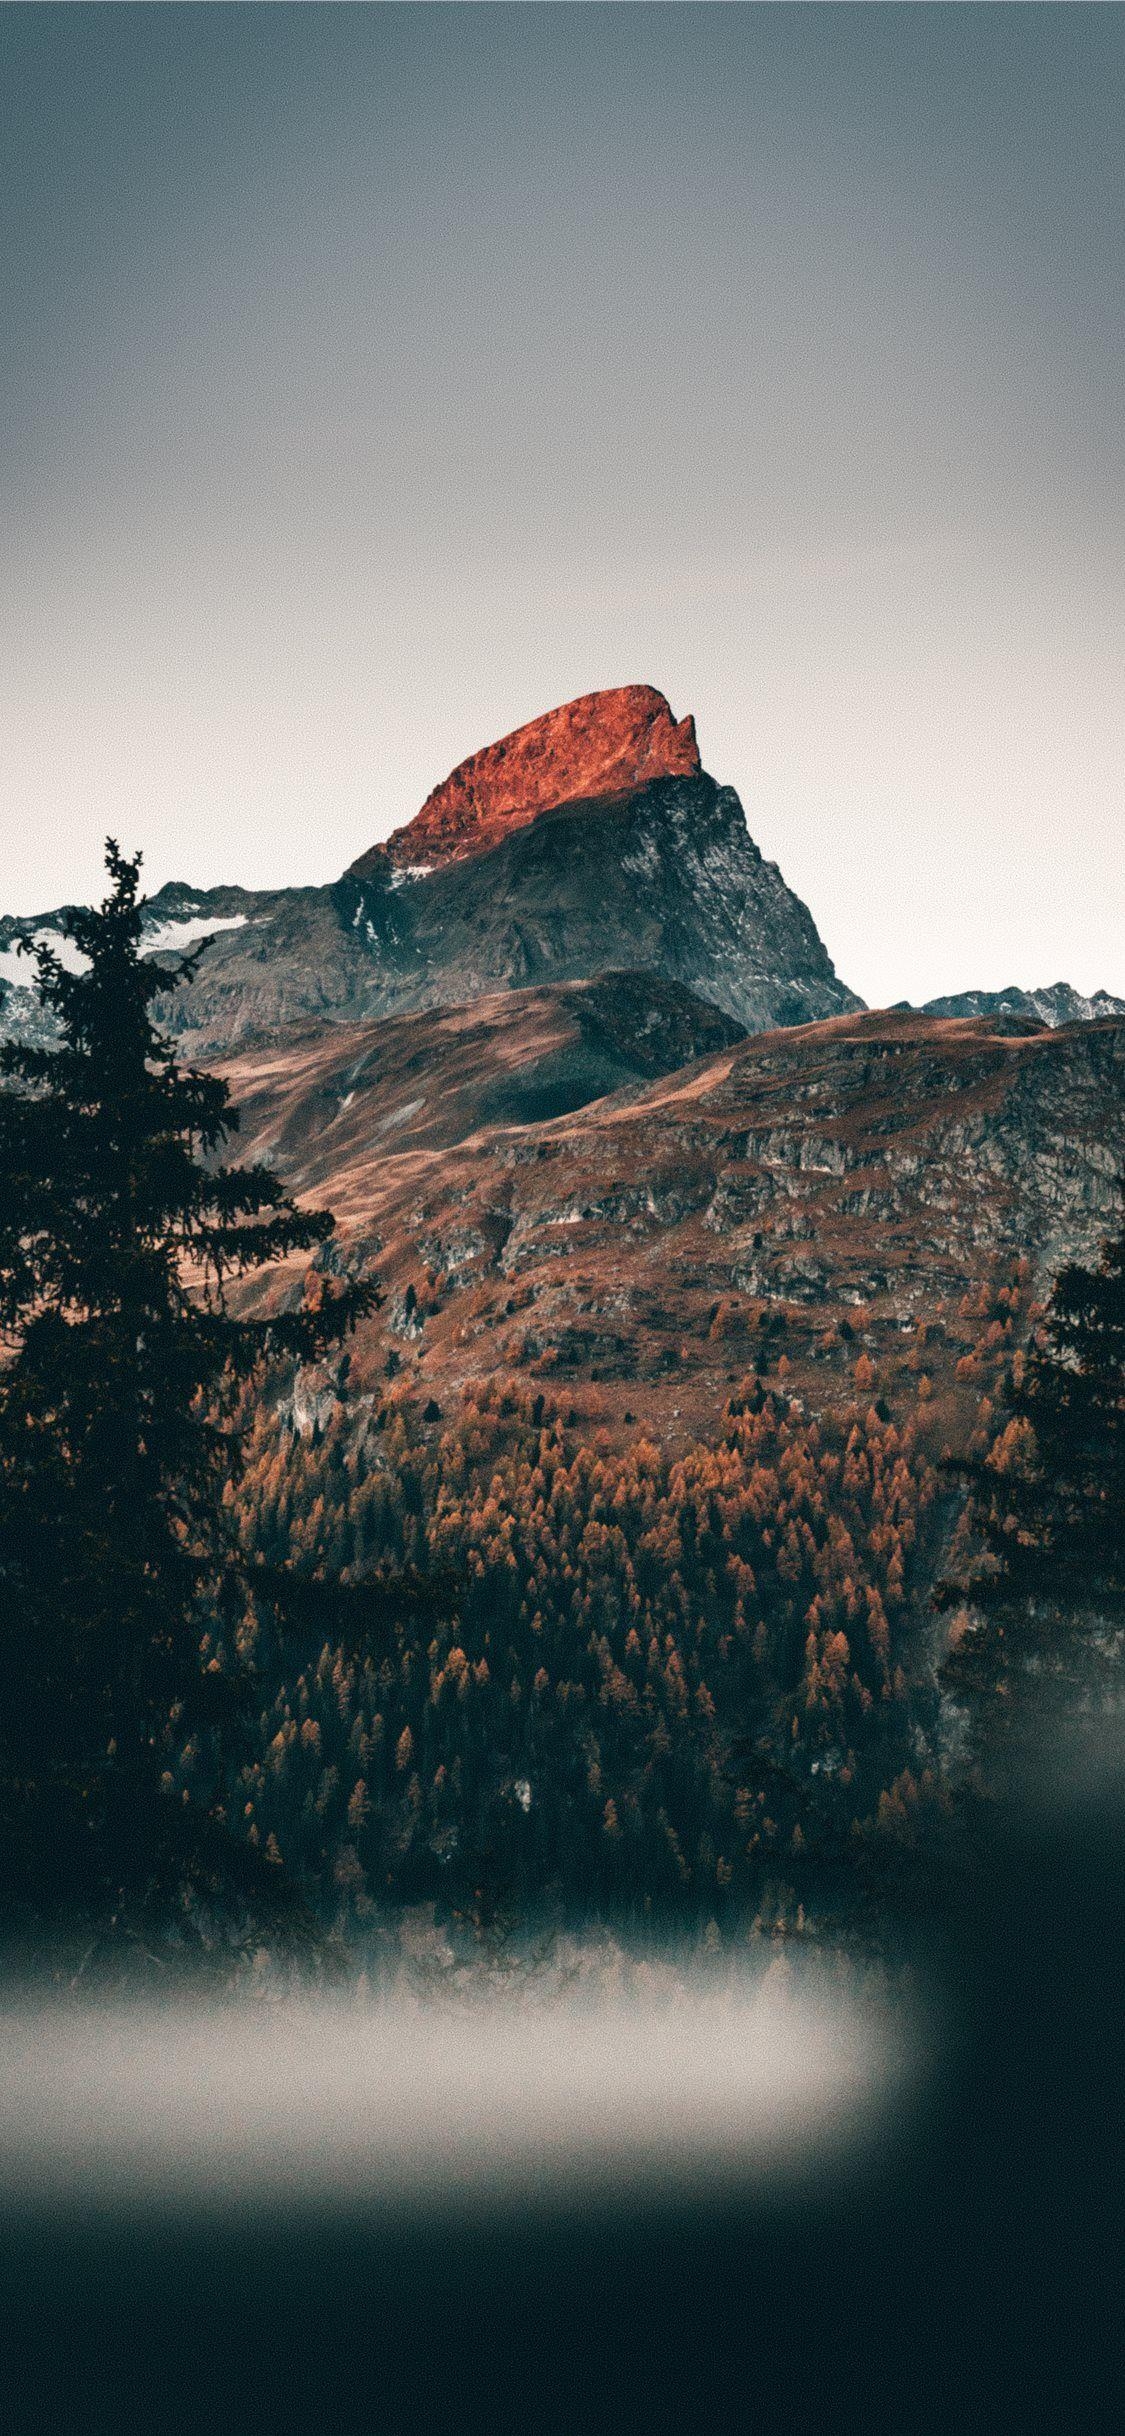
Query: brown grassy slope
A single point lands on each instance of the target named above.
(791, 1202)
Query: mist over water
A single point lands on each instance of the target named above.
(380, 2105)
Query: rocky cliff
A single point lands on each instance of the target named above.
(666, 879)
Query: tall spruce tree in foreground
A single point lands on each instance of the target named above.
(120, 1593)
(1048, 1503)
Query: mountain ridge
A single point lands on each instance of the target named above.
(599, 748)
(531, 884)
(587, 840)
(1055, 1005)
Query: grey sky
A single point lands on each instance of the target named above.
(373, 379)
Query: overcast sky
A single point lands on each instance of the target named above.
(374, 379)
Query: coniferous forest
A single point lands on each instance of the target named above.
(562, 1227)
(490, 1661)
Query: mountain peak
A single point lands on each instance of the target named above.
(601, 747)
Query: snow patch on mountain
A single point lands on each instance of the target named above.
(170, 937)
(17, 968)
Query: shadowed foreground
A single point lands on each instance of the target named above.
(777, 2213)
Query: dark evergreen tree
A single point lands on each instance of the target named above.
(121, 1229)
(1048, 1502)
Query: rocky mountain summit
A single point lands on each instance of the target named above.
(589, 841)
(666, 879)
(603, 748)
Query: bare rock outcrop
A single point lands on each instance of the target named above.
(602, 747)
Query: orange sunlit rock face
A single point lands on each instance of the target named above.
(602, 746)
